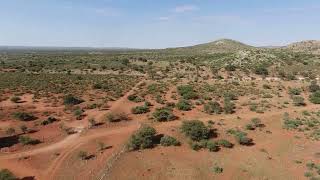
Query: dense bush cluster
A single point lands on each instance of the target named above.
(163, 114)
(142, 139)
(195, 130)
(187, 92)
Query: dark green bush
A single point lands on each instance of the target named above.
(116, 117)
(5, 174)
(71, 100)
(169, 141)
(187, 92)
(164, 114)
(212, 107)
(229, 106)
(315, 97)
(26, 140)
(135, 98)
(23, 116)
(142, 139)
(140, 109)
(184, 105)
(195, 129)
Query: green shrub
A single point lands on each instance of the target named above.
(5, 174)
(116, 117)
(15, 99)
(217, 169)
(187, 92)
(298, 101)
(212, 146)
(212, 107)
(184, 105)
(315, 97)
(26, 140)
(135, 98)
(169, 141)
(71, 100)
(23, 116)
(241, 137)
(314, 87)
(163, 114)
(195, 146)
(140, 109)
(195, 129)
(48, 121)
(225, 143)
(142, 139)
(294, 91)
(229, 106)
(261, 70)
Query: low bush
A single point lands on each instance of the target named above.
(23, 116)
(184, 105)
(83, 155)
(135, 98)
(225, 143)
(72, 100)
(163, 114)
(48, 121)
(169, 141)
(241, 137)
(195, 129)
(116, 117)
(212, 146)
(212, 107)
(229, 106)
(315, 97)
(5, 174)
(314, 87)
(140, 109)
(26, 140)
(187, 92)
(294, 91)
(142, 139)
(298, 101)
(15, 99)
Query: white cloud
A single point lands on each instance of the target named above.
(185, 8)
(164, 18)
(107, 11)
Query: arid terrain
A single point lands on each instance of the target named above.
(221, 110)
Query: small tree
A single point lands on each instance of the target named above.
(5, 174)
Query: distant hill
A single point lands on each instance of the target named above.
(219, 46)
(311, 46)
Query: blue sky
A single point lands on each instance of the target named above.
(156, 23)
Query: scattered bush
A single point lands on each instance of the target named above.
(315, 97)
(212, 146)
(298, 101)
(23, 116)
(187, 92)
(135, 98)
(229, 106)
(195, 129)
(224, 143)
(184, 105)
(48, 121)
(26, 140)
(294, 91)
(71, 100)
(314, 87)
(140, 109)
(116, 117)
(169, 141)
(212, 107)
(142, 139)
(5, 174)
(163, 114)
